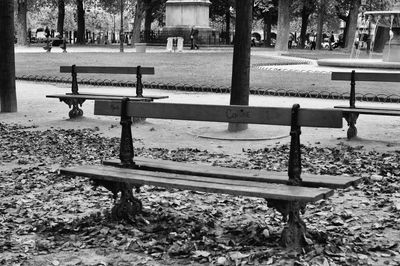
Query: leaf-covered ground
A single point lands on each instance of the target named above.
(49, 219)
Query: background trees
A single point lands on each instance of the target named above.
(139, 17)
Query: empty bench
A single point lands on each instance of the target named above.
(288, 193)
(351, 112)
(75, 98)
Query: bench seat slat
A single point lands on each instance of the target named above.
(199, 183)
(107, 70)
(95, 97)
(309, 180)
(98, 97)
(365, 76)
(224, 113)
(369, 110)
(119, 95)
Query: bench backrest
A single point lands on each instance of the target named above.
(366, 76)
(294, 117)
(108, 70)
(354, 76)
(139, 71)
(223, 113)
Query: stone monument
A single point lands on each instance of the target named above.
(182, 15)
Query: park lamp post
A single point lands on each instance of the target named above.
(121, 32)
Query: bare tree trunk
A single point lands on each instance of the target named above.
(283, 31)
(121, 29)
(320, 23)
(61, 16)
(138, 21)
(81, 22)
(352, 22)
(8, 97)
(267, 29)
(305, 15)
(228, 26)
(22, 37)
(147, 23)
(240, 88)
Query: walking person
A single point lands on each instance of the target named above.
(331, 41)
(48, 43)
(194, 33)
(313, 40)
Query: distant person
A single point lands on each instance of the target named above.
(313, 40)
(48, 43)
(194, 33)
(29, 35)
(331, 41)
(47, 32)
(290, 43)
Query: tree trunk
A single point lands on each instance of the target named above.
(267, 29)
(320, 23)
(240, 88)
(305, 15)
(61, 16)
(138, 21)
(121, 29)
(352, 21)
(81, 22)
(148, 19)
(228, 26)
(283, 30)
(8, 97)
(22, 37)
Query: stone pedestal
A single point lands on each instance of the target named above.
(182, 15)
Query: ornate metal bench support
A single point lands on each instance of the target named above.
(351, 118)
(294, 232)
(126, 152)
(75, 103)
(139, 84)
(126, 206)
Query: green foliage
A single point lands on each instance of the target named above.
(263, 8)
(219, 8)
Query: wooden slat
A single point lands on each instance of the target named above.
(367, 76)
(120, 95)
(198, 183)
(309, 180)
(107, 70)
(367, 111)
(96, 97)
(220, 113)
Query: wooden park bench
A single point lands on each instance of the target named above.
(351, 112)
(288, 195)
(76, 98)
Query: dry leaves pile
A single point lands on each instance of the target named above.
(43, 213)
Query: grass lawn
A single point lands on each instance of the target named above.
(203, 68)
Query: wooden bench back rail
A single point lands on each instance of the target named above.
(363, 76)
(223, 113)
(294, 117)
(139, 71)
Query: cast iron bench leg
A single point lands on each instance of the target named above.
(126, 206)
(351, 119)
(75, 111)
(75, 103)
